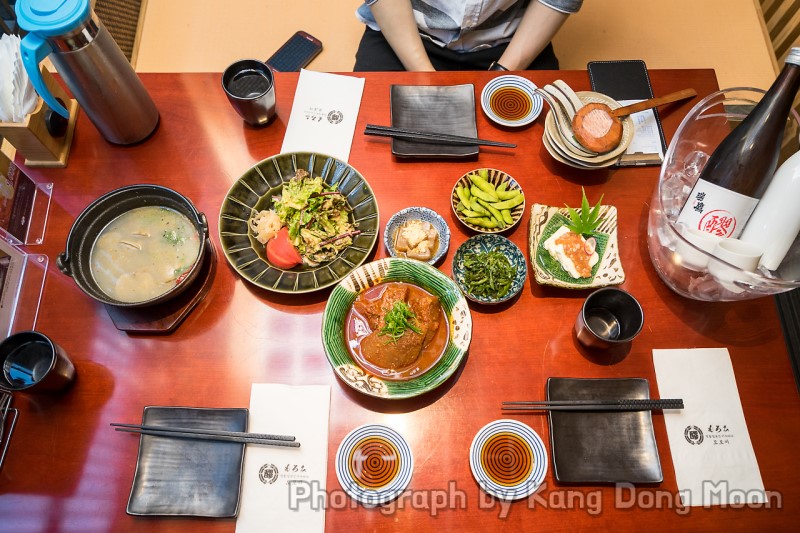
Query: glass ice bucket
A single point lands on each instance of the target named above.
(685, 261)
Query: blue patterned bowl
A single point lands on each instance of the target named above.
(483, 244)
(417, 213)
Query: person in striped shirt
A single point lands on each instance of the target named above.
(426, 35)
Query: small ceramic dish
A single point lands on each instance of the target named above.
(545, 220)
(483, 244)
(508, 459)
(417, 213)
(496, 178)
(374, 464)
(511, 101)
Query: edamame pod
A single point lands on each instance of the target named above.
(463, 194)
(484, 186)
(509, 194)
(508, 204)
(488, 223)
(471, 214)
(495, 212)
(475, 191)
(475, 205)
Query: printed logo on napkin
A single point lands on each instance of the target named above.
(716, 435)
(269, 473)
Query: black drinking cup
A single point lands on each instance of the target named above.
(610, 317)
(31, 362)
(250, 87)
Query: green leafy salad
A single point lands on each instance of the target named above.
(317, 216)
(488, 274)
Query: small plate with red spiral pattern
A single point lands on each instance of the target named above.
(508, 459)
(374, 464)
(511, 101)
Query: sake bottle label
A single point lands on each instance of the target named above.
(717, 210)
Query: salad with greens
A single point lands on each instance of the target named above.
(317, 216)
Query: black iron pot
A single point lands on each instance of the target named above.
(75, 261)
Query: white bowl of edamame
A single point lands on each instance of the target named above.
(488, 200)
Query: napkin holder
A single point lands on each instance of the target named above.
(32, 138)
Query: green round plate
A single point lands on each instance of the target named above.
(254, 191)
(409, 271)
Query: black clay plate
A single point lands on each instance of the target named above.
(254, 192)
(602, 446)
(186, 477)
(436, 109)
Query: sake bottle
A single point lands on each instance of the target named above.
(775, 223)
(740, 169)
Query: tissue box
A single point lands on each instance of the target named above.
(31, 137)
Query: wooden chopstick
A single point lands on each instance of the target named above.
(430, 137)
(653, 102)
(210, 436)
(594, 405)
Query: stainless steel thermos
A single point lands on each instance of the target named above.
(91, 65)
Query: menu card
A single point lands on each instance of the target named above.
(283, 489)
(646, 145)
(324, 114)
(711, 449)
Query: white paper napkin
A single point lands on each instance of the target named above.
(324, 114)
(646, 139)
(711, 449)
(283, 488)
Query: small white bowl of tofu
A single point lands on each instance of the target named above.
(417, 233)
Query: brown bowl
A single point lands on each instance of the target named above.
(75, 260)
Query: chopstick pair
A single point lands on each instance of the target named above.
(430, 137)
(210, 434)
(595, 405)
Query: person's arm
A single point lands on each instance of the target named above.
(396, 21)
(538, 26)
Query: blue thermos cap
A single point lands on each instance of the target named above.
(51, 17)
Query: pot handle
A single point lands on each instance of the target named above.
(203, 224)
(62, 262)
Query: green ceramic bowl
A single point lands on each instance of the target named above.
(409, 271)
(254, 192)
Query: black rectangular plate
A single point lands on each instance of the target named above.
(602, 446)
(187, 477)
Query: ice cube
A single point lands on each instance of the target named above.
(693, 164)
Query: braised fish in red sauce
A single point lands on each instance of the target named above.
(408, 355)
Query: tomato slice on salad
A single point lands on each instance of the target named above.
(281, 252)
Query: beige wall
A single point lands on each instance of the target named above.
(207, 35)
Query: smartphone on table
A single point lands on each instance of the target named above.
(295, 53)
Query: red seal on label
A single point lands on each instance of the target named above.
(718, 222)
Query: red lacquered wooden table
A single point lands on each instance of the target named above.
(67, 470)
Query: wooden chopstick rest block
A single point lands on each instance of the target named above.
(31, 138)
